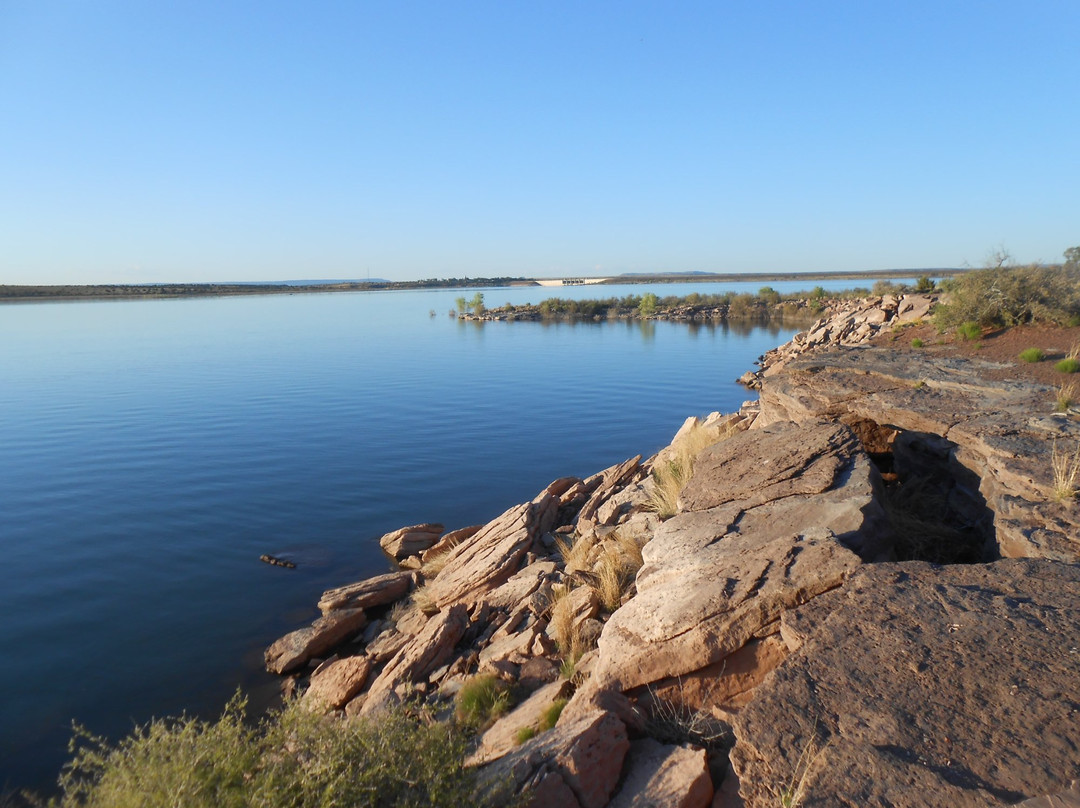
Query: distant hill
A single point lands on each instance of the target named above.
(316, 282)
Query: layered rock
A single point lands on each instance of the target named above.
(769, 604)
(410, 541)
(366, 594)
(997, 436)
(923, 686)
(295, 649)
(491, 556)
(848, 323)
(718, 578)
(576, 764)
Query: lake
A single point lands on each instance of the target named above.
(153, 450)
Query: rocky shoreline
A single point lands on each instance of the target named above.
(867, 592)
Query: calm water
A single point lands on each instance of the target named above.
(152, 450)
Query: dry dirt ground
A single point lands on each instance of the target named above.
(1002, 347)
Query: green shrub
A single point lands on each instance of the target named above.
(1068, 365)
(550, 717)
(1032, 355)
(291, 758)
(917, 343)
(647, 306)
(524, 734)
(1002, 297)
(969, 330)
(482, 699)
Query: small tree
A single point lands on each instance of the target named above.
(925, 284)
(477, 303)
(462, 305)
(647, 306)
(769, 295)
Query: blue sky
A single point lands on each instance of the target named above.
(213, 141)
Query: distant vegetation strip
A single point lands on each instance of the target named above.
(167, 290)
(767, 305)
(11, 292)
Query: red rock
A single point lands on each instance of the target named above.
(586, 754)
(377, 591)
(423, 654)
(923, 687)
(335, 683)
(407, 541)
(661, 775)
(295, 649)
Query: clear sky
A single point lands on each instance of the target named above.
(153, 140)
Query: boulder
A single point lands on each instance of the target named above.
(582, 758)
(412, 540)
(920, 685)
(612, 479)
(493, 555)
(334, 683)
(520, 586)
(502, 736)
(913, 307)
(419, 657)
(295, 649)
(377, 591)
(997, 436)
(449, 541)
(661, 775)
(784, 509)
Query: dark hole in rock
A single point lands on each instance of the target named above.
(931, 500)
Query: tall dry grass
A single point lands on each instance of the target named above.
(1066, 471)
(674, 467)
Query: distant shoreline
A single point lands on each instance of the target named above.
(10, 293)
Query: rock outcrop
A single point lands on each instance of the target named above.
(774, 626)
(995, 438)
(960, 687)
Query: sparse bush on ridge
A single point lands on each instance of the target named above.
(969, 330)
(290, 759)
(1004, 296)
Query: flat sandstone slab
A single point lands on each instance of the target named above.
(936, 687)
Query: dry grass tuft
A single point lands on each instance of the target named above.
(575, 553)
(672, 473)
(610, 581)
(672, 721)
(1066, 397)
(1066, 469)
(620, 559)
(561, 621)
(422, 599)
(565, 630)
(793, 794)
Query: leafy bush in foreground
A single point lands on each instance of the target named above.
(292, 759)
